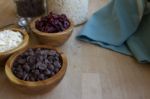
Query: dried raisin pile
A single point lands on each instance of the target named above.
(52, 23)
(37, 64)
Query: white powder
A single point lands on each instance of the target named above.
(75, 9)
(9, 40)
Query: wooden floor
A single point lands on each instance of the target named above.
(93, 72)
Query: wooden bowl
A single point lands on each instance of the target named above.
(35, 87)
(4, 55)
(52, 39)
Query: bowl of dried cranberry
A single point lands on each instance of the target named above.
(36, 70)
(53, 29)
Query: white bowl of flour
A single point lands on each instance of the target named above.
(9, 40)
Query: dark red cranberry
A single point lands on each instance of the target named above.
(52, 23)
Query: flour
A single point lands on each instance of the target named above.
(9, 40)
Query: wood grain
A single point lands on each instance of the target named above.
(120, 76)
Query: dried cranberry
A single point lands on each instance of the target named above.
(52, 23)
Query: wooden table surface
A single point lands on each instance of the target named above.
(93, 72)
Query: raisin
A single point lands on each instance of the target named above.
(37, 64)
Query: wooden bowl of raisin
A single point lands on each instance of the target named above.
(36, 70)
(53, 29)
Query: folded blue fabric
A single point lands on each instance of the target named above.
(120, 26)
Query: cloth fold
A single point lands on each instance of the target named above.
(120, 26)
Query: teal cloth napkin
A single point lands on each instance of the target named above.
(120, 26)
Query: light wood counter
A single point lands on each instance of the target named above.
(93, 72)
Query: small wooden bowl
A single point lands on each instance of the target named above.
(23, 45)
(52, 39)
(34, 87)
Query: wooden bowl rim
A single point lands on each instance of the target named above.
(36, 31)
(23, 43)
(46, 82)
